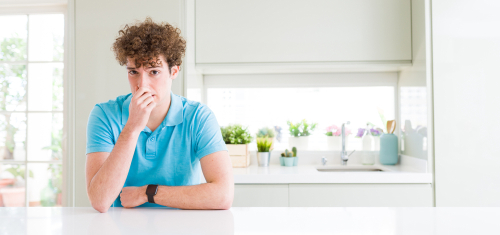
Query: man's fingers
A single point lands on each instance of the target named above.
(141, 99)
(140, 92)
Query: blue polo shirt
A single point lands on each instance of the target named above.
(171, 154)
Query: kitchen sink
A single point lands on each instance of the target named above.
(349, 169)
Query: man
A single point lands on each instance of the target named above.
(151, 147)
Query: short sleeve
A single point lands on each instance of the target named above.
(208, 137)
(99, 133)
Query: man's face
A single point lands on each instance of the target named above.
(157, 80)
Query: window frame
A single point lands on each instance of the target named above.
(51, 7)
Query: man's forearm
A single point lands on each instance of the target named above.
(202, 196)
(108, 181)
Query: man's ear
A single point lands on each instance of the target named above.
(175, 71)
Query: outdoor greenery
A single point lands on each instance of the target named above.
(11, 49)
(13, 94)
(18, 171)
(236, 134)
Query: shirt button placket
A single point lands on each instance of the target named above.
(151, 145)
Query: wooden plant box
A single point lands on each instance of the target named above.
(240, 155)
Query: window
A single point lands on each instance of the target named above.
(31, 109)
(326, 106)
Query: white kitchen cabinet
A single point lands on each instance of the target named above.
(278, 31)
(260, 195)
(329, 195)
(360, 195)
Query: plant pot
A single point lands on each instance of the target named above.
(301, 142)
(333, 142)
(289, 161)
(295, 161)
(282, 161)
(239, 154)
(263, 158)
(5, 182)
(13, 197)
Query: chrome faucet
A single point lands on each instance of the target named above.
(343, 153)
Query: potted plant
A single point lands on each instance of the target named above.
(267, 132)
(289, 158)
(13, 195)
(334, 137)
(299, 133)
(264, 150)
(237, 139)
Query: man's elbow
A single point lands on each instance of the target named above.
(98, 205)
(100, 208)
(226, 200)
(226, 203)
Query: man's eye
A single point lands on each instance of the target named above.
(132, 72)
(155, 72)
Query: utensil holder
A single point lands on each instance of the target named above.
(388, 149)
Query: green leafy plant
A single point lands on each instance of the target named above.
(294, 128)
(264, 144)
(301, 128)
(306, 128)
(265, 132)
(236, 134)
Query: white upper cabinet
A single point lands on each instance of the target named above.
(281, 31)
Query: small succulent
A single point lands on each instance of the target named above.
(289, 154)
(294, 151)
(265, 132)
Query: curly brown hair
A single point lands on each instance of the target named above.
(146, 41)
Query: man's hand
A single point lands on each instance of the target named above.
(133, 196)
(140, 108)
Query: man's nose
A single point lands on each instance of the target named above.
(143, 80)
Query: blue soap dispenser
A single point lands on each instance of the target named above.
(389, 145)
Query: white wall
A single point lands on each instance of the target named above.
(466, 75)
(99, 77)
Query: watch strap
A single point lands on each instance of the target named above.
(151, 191)
(151, 198)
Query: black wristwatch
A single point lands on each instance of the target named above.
(151, 192)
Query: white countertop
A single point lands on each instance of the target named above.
(252, 220)
(302, 174)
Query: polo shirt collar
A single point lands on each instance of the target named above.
(175, 114)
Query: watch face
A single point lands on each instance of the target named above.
(151, 190)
